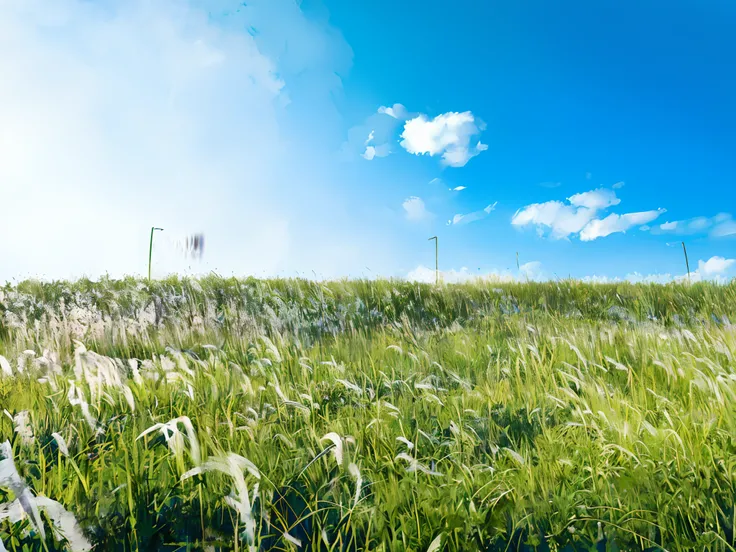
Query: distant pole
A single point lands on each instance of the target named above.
(687, 263)
(517, 261)
(150, 250)
(436, 260)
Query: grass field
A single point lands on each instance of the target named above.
(287, 415)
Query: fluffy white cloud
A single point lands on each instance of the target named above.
(600, 228)
(415, 209)
(579, 216)
(448, 135)
(715, 266)
(472, 217)
(563, 220)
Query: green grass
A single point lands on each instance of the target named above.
(555, 416)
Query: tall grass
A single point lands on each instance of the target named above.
(287, 415)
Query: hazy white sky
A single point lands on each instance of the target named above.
(116, 116)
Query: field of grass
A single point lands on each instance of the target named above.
(224, 414)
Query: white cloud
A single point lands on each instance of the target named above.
(472, 217)
(600, 228)
(595, 199)
(684, 227)
(579, 216)
(715, 269)
(529, 271)
(121, 116)
(458, 189)
(563, 220)
(448, 135)
(618, 185)
(715, 266)
(415, 209)
(398, 111)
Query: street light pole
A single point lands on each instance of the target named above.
(150, 249)
(436, 259)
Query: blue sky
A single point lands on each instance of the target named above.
(592, 138)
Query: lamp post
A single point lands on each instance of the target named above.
(150, 249)
(436, 260)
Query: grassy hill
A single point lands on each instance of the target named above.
(367, 415)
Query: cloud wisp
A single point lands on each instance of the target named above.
(720, 226)
(472, 217)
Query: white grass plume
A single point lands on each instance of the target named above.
(234, 465)
(175, 438)
(61, 443)
(5, 367)
(23, 427)
(415, 465)
(355, 472)
(406, 441)
(436, 544)
(338, 443)
(27, 505)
